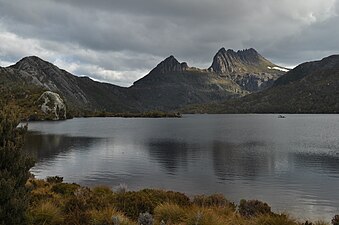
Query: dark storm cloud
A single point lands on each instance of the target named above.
(119, 41)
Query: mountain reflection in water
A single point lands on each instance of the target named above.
(293, 164)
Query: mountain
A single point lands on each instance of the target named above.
(311, 87)
(169, 86)
(247, 68)
(80, 93)
(172, 84)
(32, 84)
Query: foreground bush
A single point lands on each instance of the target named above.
(170, 213)
(108, 216)
(70, 204)
(335, 220)
(134, 203)
(204, 216)
(218, 200)
(252, 208)
(65, 189)
(14, 170)
(55, 179)
(269, 219)
(46, 213)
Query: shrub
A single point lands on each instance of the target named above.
(45, 213)
(76, 209)
(14, 169)
(55, 179)
(102, 191)
(335, 220)
(65, 189)
(107, 216)
(218, 200)
(41, 194)
(78, 205)
(37, 183)
(134, 203)
(100, 217)
(321, 223)
(204, 217)
(169, 213)
(270, 219)
(252, 208)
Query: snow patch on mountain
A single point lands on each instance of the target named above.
(278, 68)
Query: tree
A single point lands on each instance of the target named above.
(14, 169)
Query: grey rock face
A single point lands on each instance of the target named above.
(251, 71)
(171, 64)
(52, 78)
(52, 104)
(229, 61)
(79, 93)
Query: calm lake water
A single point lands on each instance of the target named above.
(291, 163)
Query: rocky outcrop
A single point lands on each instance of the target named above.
(311, 87)
(50, 77)
(169, 65)
(242, 61)
(52, 105)
(172, 85)
(251, 71)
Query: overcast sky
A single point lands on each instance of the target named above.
(119, 41)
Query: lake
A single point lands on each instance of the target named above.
(291, 163)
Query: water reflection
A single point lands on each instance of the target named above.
(322, 163)
(169, 153)
(233, 161)
(48, 146)
(293, 164)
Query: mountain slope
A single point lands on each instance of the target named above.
(247, 68)
(311, 87)
(80, 93)
(172, 84)
(169, 86)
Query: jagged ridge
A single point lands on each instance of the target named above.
(168, 86)
(242, 61)
(311, 87)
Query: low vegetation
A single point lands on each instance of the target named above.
(55, 202)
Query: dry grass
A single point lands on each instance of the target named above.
(60, 203)
(104, 216)
(46, 213)
(170, 213)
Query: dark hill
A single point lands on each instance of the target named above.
(169, 86)
(172, 84)
(311, 87)
(80, 93)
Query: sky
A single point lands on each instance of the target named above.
(120, 41)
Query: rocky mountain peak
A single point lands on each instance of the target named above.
(37, 67)
(171, 64)
(29, 61)
(229, 61)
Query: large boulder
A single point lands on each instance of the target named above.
(52, 105)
